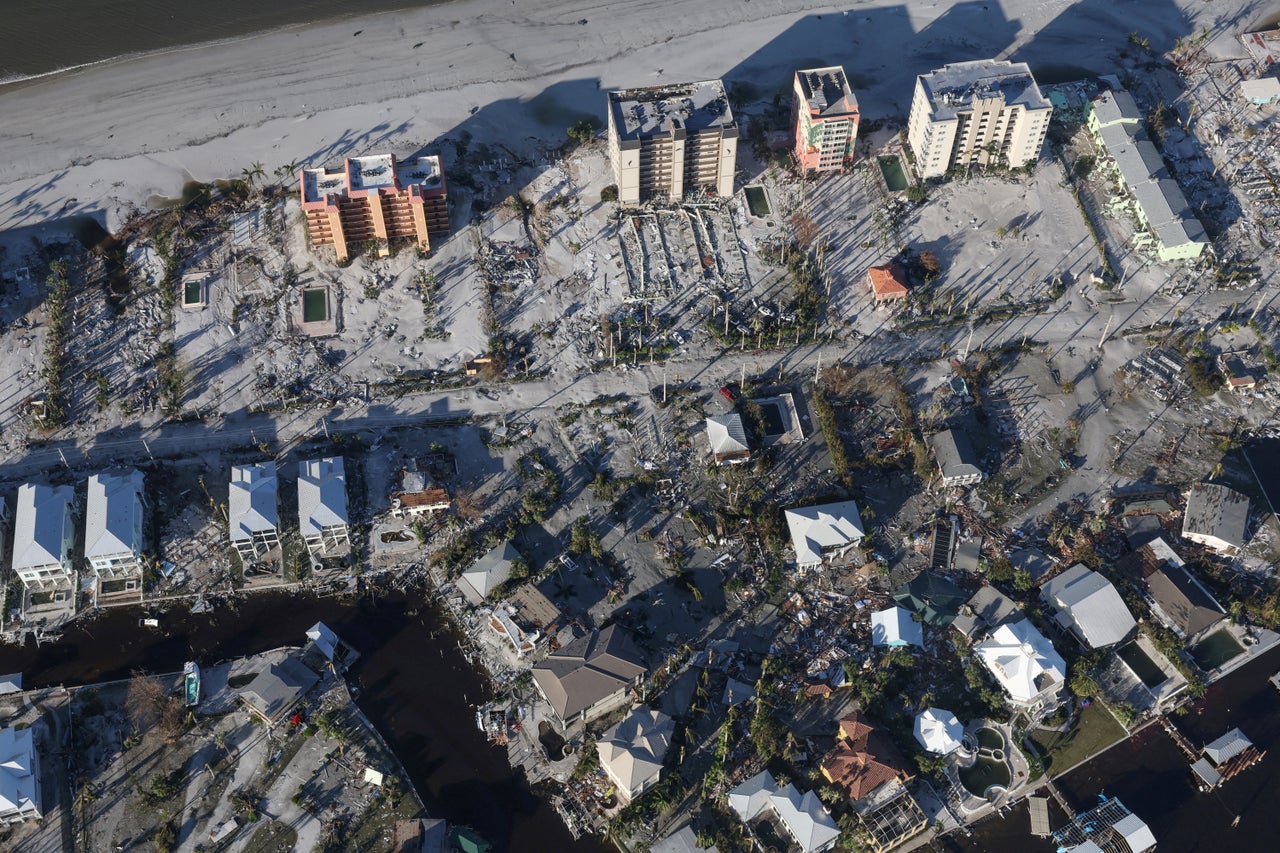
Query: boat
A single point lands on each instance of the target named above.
(191, 684)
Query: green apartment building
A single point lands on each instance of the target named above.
(1174, 232)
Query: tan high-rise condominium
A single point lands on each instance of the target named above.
(671, 141)
(983, 112)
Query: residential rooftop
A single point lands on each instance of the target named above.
(372, 173)
(692, 107)
(827, 91)
(954, 87)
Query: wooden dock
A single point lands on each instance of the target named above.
(1039, 810)
(1179, 738)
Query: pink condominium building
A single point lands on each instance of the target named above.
(825, 119)
(375, 198)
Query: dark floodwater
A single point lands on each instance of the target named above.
(40, 36)
(1151, 776)
(417, 690)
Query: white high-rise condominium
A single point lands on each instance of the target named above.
(982, 112)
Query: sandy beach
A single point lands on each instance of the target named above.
(99, 140)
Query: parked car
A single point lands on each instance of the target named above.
(727, 393)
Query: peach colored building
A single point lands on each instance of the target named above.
(824, 117)
(886, 284)
(375, 198)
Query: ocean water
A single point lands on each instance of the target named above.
(51, 35)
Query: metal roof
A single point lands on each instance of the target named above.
(954, 453)
(815, 529)
(1090, 605)
(322, 494)
(252, 499)
(41, 525)
(113, 514)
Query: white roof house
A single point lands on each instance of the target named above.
(19, 776)
(322, 503)
(633, 751)
(488, 573)
(113, 521)
(821, 531)
(251, 506)
(938, 731)
(1024, 663)
(42, 534)
(895, 627)
(728, 438)
(806, 820)
(1089, 606)
(1135, 833)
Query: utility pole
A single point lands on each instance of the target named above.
(64, 459)
(817, 371)
(664, 382)
(1102, 340)
(965, 357)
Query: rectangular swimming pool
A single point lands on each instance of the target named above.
(315, 305)
(894, 175)
(757, 201)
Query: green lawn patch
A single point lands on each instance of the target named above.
(1093, 730)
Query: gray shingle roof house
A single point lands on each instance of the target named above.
(275, 690)
(957, 461)
(488, 573)
(1184, 602)
(633, 751)
(1089, 606)
(1217, 517)
(251, 505)
(322, 505)
(591, 675)
(42, 535)
(113, 525)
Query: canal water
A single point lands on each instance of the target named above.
(1151, 776)
(416, 687)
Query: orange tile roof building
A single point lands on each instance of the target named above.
(886, 284)
(824, 117)
(862, 759)
(375, 198)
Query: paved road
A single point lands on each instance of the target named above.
(1073, 322)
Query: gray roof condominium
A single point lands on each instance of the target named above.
(668, 141)
(983, 112)
(591, 675)
(1216, 517)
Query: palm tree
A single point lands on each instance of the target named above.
(254, 173)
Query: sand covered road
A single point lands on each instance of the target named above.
(99, 139)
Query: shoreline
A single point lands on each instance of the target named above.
(167, 46)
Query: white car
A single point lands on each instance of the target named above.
(568, 563)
